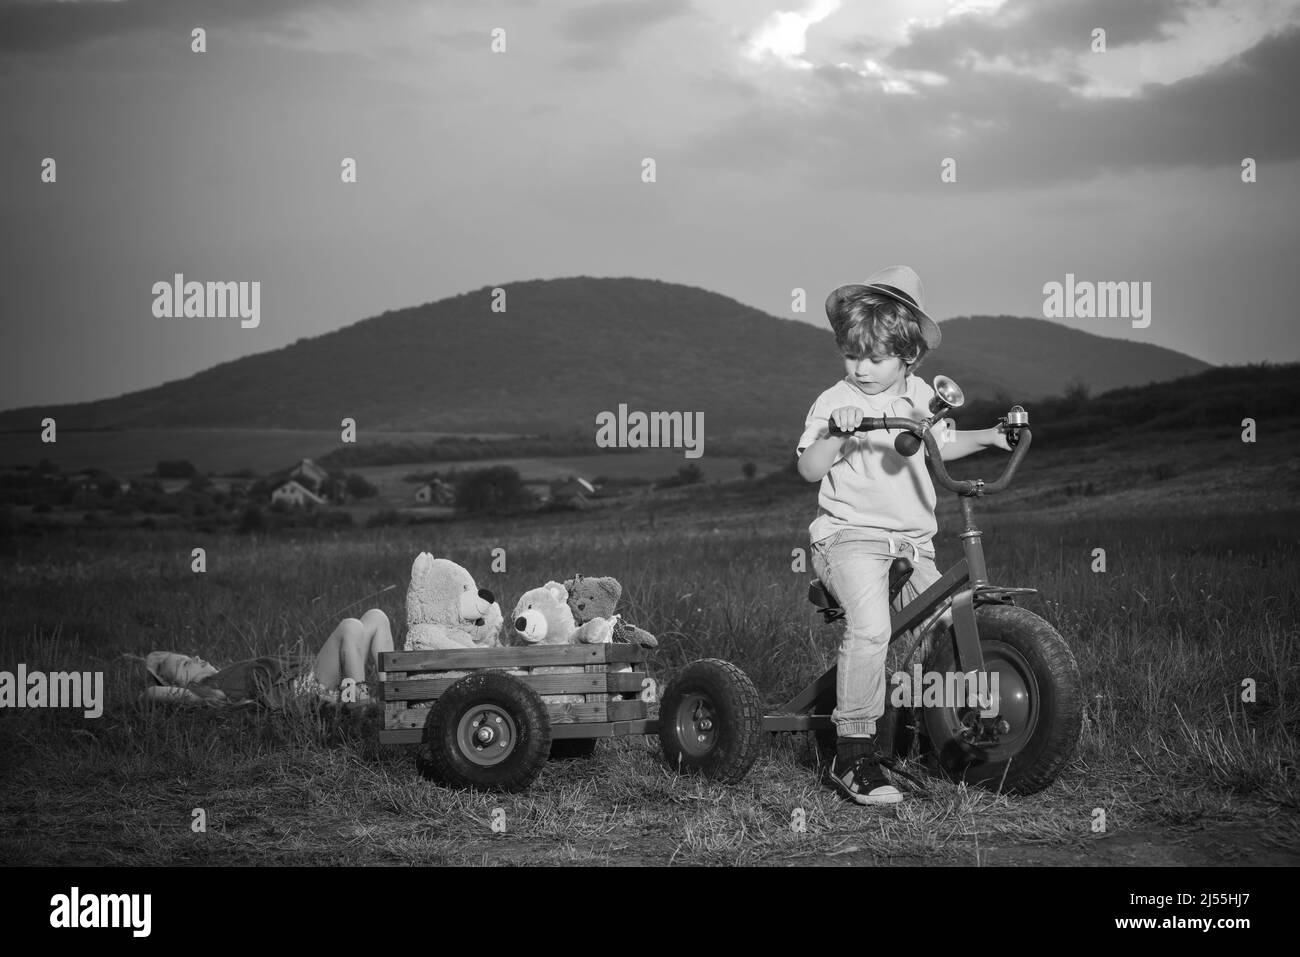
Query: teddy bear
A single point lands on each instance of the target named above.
(591, 598)
(542, 617)
(446, 610)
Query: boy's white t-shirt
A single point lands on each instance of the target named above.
(870, 485)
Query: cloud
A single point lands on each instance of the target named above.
(32, 26)
(784, 34)
(1035, 30)
(1008, 130)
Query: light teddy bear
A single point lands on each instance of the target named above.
(445, 609)
(542, 616)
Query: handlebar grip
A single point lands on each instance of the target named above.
(866, 425)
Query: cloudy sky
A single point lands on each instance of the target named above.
(796, 144)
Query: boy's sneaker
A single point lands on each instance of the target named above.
(855, 772)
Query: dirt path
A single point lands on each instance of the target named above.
(1222, 845)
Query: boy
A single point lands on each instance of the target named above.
(874, 504)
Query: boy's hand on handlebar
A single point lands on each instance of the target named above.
(847, 419)
(999, 440)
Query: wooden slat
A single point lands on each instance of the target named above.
(392, 711)
(428, 689)
(398, 713)
(628, 681)
(601, 682)
(471, 658)
(597, 695)
(401, 717)
(389, 676)
(626, 710)
(577, 713)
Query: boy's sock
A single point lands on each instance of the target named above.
(848, 750)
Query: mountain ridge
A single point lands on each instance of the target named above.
(566, 349)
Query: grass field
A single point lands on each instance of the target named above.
(222, 451)
(1200, 593)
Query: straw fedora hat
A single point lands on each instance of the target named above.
(897, 282)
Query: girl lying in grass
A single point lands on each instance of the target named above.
(345, 671)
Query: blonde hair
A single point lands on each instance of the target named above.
(872, 324)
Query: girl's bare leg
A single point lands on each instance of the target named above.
(379, 639)
(352, 650)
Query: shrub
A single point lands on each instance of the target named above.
(252, 520)
(496, 489)
(358, 487)
(690, 474)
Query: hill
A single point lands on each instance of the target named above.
(566, 349)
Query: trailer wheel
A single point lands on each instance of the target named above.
(487, 732)
(711, 721)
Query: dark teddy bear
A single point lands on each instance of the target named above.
(595, 598)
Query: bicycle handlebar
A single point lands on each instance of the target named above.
(922, 431)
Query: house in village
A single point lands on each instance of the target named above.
(295, 493)
(436, 492)
(307, 469)
(572, 490)
(91, 479)
(313, 481)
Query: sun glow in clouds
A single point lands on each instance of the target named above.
(895, 81)
(784, 34)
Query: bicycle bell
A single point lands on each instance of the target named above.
(1013, 422)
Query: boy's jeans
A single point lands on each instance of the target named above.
(854, 564)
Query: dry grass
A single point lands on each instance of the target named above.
(1165, 637)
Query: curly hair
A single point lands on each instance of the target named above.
(872, 324)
